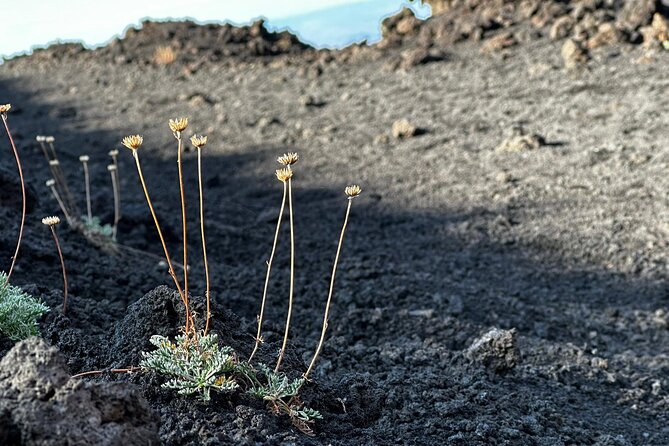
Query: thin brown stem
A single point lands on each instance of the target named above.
(292, 277)
(118, 184)
(60, 178)
(204, 243)
(88, 192)
(147, 254)
(269, 269)
(332, 282)
(23, 196)
(62, 182)
(117, 203)
(53, 150)
(54, 166)
(46, 155)
(100, 372)
(162, 239)
(62, 205)
(62, 264)
(183, 227)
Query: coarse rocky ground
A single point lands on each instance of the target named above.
(504, 277)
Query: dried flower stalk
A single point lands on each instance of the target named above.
(288, 160)
(59, 176)
(3, 114)
(114, 154)
(133, 143)
(282, 175)
(177, 126)
(51, 222)
(51, 184)
(84, 161)
(117, 202)
(352, 192)
(199, 142)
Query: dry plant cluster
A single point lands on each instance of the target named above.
(194, 363)
(88, 224)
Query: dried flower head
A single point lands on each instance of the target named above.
(5, 108)
(164, 55)
(111, 167)
(133, 142)
(113, 152)
(50, 221)
(178, 125)
(288, 159)
(50, 183)
(40, 138)
(284, 174)
(54, 162)
(49, 139)
(352, 191)
(198, 141)
(84, 158)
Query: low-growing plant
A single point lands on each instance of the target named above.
(282, 396)
(93, 226)
(193, 367)
(19, 311)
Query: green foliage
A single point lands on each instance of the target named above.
(198, 366)
(19, 311)
(195, 367)
(282, 396)
(277, 386)
(94, 227)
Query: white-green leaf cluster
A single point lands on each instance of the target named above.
(19, 311)
(307, 414)
(277, 386)
(194, 367)
(94, 226)
(282, 394)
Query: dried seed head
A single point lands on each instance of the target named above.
(54, 162)
(50, 221)
(113, 152)
(352, 191)
(284, 174)
(198, 141)
(111, 167)
(49, 139)
(178, 125)
(133, 142)
(50, 183)
(5, 108)
(40, 138)
(288, 159)
(164, 55)
(84, 158)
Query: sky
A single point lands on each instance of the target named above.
(324, 23)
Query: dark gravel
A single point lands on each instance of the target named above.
(556, 242)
